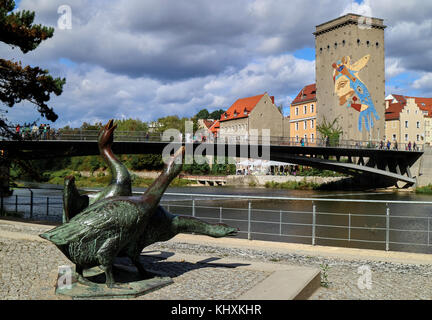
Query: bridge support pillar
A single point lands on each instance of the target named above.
(5, 176)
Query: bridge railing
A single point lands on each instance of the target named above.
(141, 136)
(377, 224)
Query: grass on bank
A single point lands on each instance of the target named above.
(426, 189)
(297, 185)
(102, 180)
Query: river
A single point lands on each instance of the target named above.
(337, 223)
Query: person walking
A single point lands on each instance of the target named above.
(388, 144)
(48, 131)
(395, 145)
(44, 131)
(409, 146)
(40, 131)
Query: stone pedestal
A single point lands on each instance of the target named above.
(129, 284)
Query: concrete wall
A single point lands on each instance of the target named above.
(340, 38)
(422, 169)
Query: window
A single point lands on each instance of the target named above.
(312, 137)
(297, 138)
(296, 111)
(296, 126)
(418, 137)
(406, 136)
(312, 108)
(406, 123)
(394, 137)
(312, 123)
(305, 125)
(418, 124)
(305, 109)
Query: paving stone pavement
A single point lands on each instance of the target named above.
(28, 270)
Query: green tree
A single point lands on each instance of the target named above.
(89, 126)
(131, 125)
(18, 83)
(332, 130)
(171, 122)
(202, 114)
(215, 115)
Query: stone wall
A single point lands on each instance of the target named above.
(261, 180)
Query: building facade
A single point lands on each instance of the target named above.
(303, 111)
(408, 119)
(350, 75)
(253, 113)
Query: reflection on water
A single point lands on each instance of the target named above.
(291, 221)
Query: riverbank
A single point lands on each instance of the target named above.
(143, 179)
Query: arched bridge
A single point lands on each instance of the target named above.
(385, 167)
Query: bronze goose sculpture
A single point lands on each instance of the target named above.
(120, 185)
(162, 226)
(97, 235)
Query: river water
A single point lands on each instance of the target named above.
(337, 223)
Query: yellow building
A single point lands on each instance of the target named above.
(303, 111)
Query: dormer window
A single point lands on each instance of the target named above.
(235, 114)
(245, 112)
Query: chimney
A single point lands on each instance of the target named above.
(272, 99)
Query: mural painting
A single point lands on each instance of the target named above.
(352, 92)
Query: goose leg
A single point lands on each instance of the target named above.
(81, 279)
(106, 255)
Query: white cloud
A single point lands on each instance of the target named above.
(154, 58)
(424, 83)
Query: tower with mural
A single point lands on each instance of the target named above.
(350, 75)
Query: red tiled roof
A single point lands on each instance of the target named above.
(208, 123)
(306, 94)
(241, 108)
(215, 127)
(392, 112)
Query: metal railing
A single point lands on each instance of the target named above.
(311, 225)
(141, 136)
(254, 225)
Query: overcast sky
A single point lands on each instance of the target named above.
(147, 59)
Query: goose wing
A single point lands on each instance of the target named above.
(100, 217)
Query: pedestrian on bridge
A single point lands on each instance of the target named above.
(388, 144)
